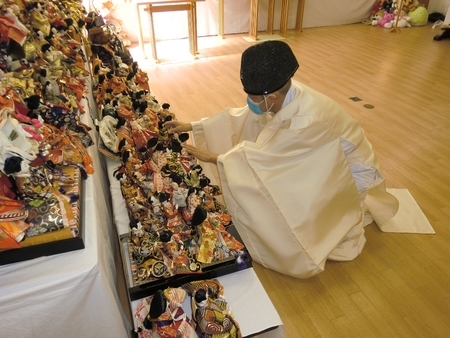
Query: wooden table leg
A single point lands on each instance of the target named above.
(221, 32)
(300, 10)
(192, 23)
(140, 36)
(152, 32)
(270, 16)
(253, 32)
(284, 17)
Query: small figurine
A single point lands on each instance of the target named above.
(165, 315)
(212, 316)
(192, 202)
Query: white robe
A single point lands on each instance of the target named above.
(287, 182)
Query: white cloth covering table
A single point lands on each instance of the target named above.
(72, 294)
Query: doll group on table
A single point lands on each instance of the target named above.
(175, 219)
(178, 225)
(163, 313)
(43, 142)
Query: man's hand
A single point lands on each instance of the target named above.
(201, 154)
(178, 127)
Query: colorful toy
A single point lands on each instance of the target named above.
(376, 8)
(375, 19)
(387, 5)
(419, 16)
(386, 20)
(401, 22)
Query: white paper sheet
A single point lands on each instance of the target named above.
(410, 218)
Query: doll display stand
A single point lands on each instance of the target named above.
(244, 292)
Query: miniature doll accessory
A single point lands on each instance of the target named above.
(12, 223)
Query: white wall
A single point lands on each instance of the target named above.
(172, 25)
(440, 6)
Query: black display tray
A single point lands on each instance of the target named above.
(209, 271)
(49, 248)
(39, 250)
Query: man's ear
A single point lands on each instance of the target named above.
(273, 96)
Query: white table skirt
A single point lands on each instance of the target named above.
(121, 219)
(72, 294)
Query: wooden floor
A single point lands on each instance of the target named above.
(400, 285)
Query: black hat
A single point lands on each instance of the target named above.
(266, 67)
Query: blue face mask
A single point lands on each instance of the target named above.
(254, 107)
